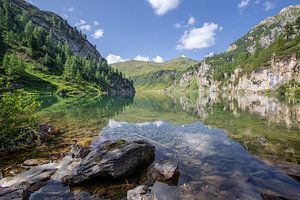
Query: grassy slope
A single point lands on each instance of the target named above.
(134, 68)
(146, 75)
(36, 81)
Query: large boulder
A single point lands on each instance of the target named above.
(114, 159)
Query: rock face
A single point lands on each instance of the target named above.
(113, 159)
(268, 76)
(264, 33)
(280, 72)
(202, 74)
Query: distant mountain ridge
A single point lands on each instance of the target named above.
(153, 75)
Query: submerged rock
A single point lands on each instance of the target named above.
(35, 162)
(141, 192)
(270, 196)
(293, 170)
(113, 159)
(164, 171)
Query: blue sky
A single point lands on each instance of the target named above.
(160, 30)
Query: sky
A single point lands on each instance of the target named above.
(160, 30)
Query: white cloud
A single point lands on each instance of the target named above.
(182, 56)
(85, 27)
(161, 7)
(96, 23)
(178, 25)
(191, 21)
(158, 59)
(199, 38)
(98, 34)
(111, 59)
(243, 3)
(268, 5)
(82, 25)
(142, 58)
(185, 24)
(81, 22)
(257, 2)
(71, 9)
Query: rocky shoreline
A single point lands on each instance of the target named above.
(112, 160)
(115, 169)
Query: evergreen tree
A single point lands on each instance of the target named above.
(2, 44)
(59, 63)
(8, 20)
(70, 68)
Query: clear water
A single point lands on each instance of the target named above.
(223, 144)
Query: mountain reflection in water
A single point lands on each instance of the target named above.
(208, 158)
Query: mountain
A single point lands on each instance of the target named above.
(266, 59)
(154, 75)
(42, 53)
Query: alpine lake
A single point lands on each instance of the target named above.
(225, 145)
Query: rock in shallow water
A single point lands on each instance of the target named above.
(164, 171)
(35, 162)
(114, 159)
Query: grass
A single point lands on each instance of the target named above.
(135, 68)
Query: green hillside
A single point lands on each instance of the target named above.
(135, 68)
(152, 75)
(41, 53)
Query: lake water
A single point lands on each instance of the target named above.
(224, 144)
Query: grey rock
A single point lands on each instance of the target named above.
(78, 151)
(37, 174)
(15, 193)
(293, 170)
(140, 193)
(164, 171)
(113, 159)
(269, 196)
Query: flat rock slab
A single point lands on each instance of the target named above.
(36, 174)
(15, 193)
(114, 159)
(35, 162)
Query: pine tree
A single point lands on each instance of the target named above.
(8, 20)
(69, 68)
(2, 44)
(59, 63)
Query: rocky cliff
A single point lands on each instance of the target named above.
(264, 59)
(63, 32)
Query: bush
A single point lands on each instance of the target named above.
(17, 125)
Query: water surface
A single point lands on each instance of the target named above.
(224, 144)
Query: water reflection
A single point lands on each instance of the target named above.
(207, 157)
